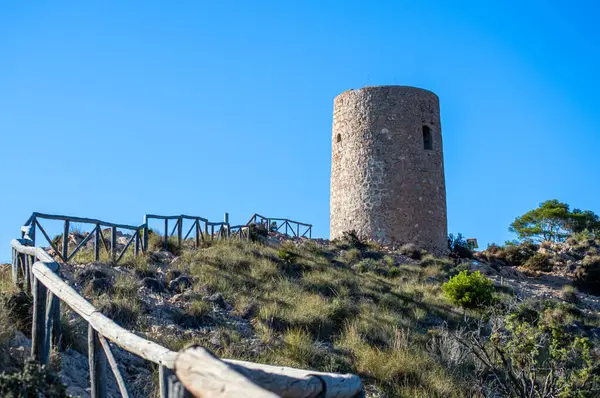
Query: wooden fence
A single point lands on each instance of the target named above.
(33, 224)
(200, 228)
(190, 372)
(283, 225)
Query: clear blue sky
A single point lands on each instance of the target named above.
(115, 109)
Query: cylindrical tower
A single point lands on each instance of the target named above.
(387, 167)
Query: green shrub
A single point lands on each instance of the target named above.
(156, 242)
(351, 256)
(389, 261)
(531, 355)
(410, 250)
(350, 240)
(539, 262)
(588, 275)
(395, 272)
(469, 290)
(258, 232)
(459, 247)
(517, 254)
(569, 294)
(428, 260)
(32, 382)
(286, 255)
(591, 261)
(366, 265)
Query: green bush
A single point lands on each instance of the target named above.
(531, 354)
(569, 294)
(156, 242)
(351, 256)
(469, 290)
(459, 247)
(366, 265)
(395, 272)
(286, 255)
(410, 250)
(539, 262)
(32, 382)
(258, 232)
(350, 240)
(428, 260)
(588, 275)
(516, 254)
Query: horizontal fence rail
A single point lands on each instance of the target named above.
(190, 372)
(283, 225)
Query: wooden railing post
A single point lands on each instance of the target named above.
(179, 231)
(113, 243)
(45, 329)
(197, 234)
(32, 232)
(65, 248)
(38, 326)
(166, 233)
(226, 218)
(51, 326)
(146, 231)
(28, 263)
(97, 243)
(15, 267)
(97, 363)
(136, 248)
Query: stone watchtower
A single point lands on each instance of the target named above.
(387, 167)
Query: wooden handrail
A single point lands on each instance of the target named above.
(83, 220)
(199, 370)
(105, 326)
(195, 369)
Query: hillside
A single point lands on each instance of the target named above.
(344, 306)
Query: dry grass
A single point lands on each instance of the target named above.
(6, 323)
(299, 307)
(312, 307)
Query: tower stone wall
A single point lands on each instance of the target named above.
(387, 168)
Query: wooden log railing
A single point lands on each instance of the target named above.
(191, 372)
(283, 225)
(33, 224)
(200, 228)
(203, 229)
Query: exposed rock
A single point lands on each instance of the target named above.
(100, 285)
(153, 284)
(180, 284)
(92, 271)
(218, 299)
(575, 327)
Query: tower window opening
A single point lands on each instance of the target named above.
(427, 142)
(338, 138)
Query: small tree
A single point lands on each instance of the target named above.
(550, 221)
